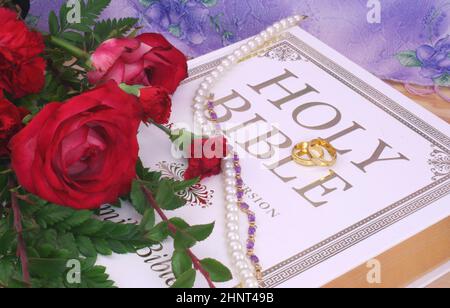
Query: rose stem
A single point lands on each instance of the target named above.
(21, 247)
(173, 229)
(167, 131)
(71, 49)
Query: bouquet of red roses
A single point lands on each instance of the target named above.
(71, 103)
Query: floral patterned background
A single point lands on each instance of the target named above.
(411, 43)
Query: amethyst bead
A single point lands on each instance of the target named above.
(244, 206)
(252, 230)
(254, 259)
(251, 218)
(250, 245)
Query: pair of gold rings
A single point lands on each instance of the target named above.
(317, 152)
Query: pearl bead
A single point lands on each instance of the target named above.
(265, 35)
(241, 265)
(284, 24)
(232, 226)
(200, 121)
(231, 199)
(199, 99)
(271, 31)
(215, 74)
(237, 256)
(245, 50)
(205, 86)
(220, 69)
(232, 217)
(226, 64)
(259, 41)
(229, 165)
(277, 26)
(231, 190)
(238, 54)
(202, 93)
(235, 245)
(230, 173)
(298, 18)
(291, 21)
(233, 236)
(199, 114)
(232, 207)
(232, 59)
(198, 107)
(247, 274)
(209, 80)
(252, 45)
(251, 283)
(230, 181)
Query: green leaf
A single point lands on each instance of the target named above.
(186, 280)
(166, 197)
(183, 240)
(47, 268)
(93, 8)
(183, 185)
(209, 3)
(409, 59)
(110, 28)
(53, 24)
(201, 232)
(118, 247)
(148, 220)
(73, 36)
(217, 271)
(179, 223)
(138, 198)
(443, 81)
(159, 233)
(6, 271)
(86, 246)
(180, 262)
(102, 246)
(6, 241)
(76, 219)
(133, 90)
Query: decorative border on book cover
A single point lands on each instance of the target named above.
(349, 237)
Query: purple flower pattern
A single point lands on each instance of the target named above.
(200, 26)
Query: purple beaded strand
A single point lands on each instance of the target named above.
(244, 207)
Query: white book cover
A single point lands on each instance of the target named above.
(391, 180)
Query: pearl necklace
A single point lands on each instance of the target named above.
(244, 261)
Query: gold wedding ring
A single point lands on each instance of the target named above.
(317, 152)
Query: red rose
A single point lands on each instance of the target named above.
(206, 157)
(148, 60)
(156, 103)
(10, 122)
(81, 153)
(21, 69)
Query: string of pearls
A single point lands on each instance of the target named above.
(244, 261)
